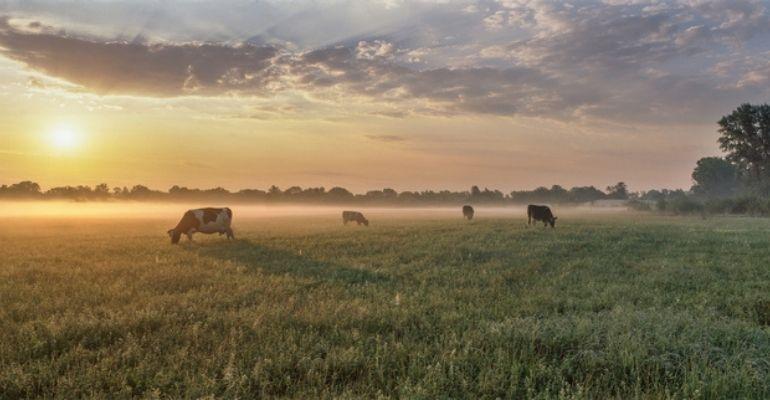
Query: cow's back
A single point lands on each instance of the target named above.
(213, 219)
(539, 212)
(354, 216)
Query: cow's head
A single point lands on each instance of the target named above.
(174, 235)
(366, 222)
(552, 221)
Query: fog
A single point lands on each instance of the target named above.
(174, 211)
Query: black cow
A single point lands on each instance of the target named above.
(468, 212)
(203, 220)
(540, 213)
(354, 216)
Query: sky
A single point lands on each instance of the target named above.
(424, 94)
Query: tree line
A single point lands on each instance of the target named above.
(556, 194)
(738, 183)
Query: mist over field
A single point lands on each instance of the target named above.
(174, 210)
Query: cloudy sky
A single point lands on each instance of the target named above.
(508, 94)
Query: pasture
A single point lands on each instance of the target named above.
(604, 306)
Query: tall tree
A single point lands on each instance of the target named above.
(714, 177)
(745, 137)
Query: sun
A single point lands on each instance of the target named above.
(64, 138)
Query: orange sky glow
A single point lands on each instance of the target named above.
(471, 95)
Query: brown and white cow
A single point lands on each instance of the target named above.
(204, 220)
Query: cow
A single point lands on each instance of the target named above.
(204, 220)
(540, 213)
(355, 216)
(468, 212)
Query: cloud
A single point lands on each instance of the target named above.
(217, 69)
(623, 60)
(475, 90)
(107, 67)
(374, 50)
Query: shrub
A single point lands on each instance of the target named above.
(685, 205)
(719, 206)
(639, 205)
(751, 205)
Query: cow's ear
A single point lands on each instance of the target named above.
(555, 218)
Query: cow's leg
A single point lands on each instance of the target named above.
(230, 234)
(189, 236)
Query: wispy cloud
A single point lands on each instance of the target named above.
(613, 60)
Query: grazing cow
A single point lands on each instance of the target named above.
(355, 216)
(203, 220)
(540, 213)
(468, 212)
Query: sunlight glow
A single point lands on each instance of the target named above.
(64, 138)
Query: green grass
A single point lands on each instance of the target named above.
(601, 307)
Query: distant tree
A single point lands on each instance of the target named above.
(313, 194)
(293, 191)
(652, 195)
(558, 194)
(216, 192)
(120, 193)
(475, 192)
(141, 192)
(24, 189)
(102, 191)
(79, 193)
(389, 193)
(618, 192)
(251, 194)
(177, 190)
(714, 177)
(274, 193)
(339, 193)
(408, 196)
(485, 195)
(584, 194)
(745, 137)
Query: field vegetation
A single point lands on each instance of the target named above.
(603, 306)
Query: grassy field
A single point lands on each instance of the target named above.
(601, 307)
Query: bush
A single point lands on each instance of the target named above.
(682, 204)
(639, 205)
(719, 206)
(685, 205)
(751, 205)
